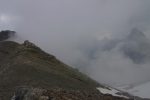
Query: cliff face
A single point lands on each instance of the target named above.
(29, 73)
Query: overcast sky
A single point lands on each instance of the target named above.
(71, 29)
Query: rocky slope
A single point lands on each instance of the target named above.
(29, 73)
(26, 93)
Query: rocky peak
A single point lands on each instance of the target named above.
(137, 47)
(5, 34)
(30, 45)
(136, 34)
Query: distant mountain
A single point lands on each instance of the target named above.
(29, 73)
(136, 47)
(136, 35)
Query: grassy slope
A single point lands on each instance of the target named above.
(30, 66)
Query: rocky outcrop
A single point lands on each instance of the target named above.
(29, 44)
(61, 94)
(26, 93)
(4, 35)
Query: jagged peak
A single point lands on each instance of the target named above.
(136, 34)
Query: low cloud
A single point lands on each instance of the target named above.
(75, 30)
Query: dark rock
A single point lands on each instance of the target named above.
(4, 35)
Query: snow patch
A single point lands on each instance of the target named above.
(111, 91)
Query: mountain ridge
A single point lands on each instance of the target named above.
(26, 65)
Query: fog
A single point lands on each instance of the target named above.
(75, 30)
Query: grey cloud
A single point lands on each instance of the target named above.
(73, 30)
